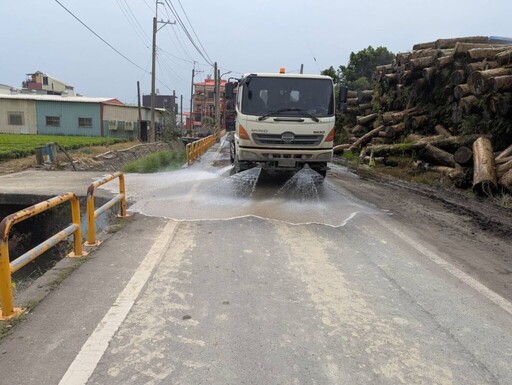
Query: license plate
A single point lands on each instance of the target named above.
(286, 163)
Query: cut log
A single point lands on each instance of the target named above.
(503, 168)
(358, 130)
(352, 102)
(478, 80)
(437, 156)
(366, 137)
(419, 46)
(398, 128)
(352, 94)
(443, 62)
(457, 77)
(463, 156)
(467, 103)
(421, 62)
(441, 130)
(392, 78)
(502, 160)
(505, 153)
(364, 96)
(429, 73)
(419, 121)
(500, 83)
(387, 117)
(500, 103)
(340, 148)
(481, 66)
(460, 91)
(504, 57)
(461, 49)
(364, 120)
(485, 53)
(365, 106)
(484, 171)
(457, 113)
(451, 43)
(506, 181)
(400, 116)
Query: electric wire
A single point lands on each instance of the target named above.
(99, 37)
(132, 25)
(136, 20)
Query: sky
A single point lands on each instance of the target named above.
(241, 36)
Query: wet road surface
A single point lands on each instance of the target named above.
(253, 279)
(272, 280)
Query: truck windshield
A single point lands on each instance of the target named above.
(268, 96)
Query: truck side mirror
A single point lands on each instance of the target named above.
(229, 90)
(342, 98)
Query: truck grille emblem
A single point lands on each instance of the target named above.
(288, 137)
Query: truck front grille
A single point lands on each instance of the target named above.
(298, 140)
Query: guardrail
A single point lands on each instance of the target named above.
(7, 268)
(195, 149)
(92, 214)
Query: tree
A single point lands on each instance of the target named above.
(357, 74)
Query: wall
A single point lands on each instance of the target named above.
(27, 107)
(69, 112)
(127, 114)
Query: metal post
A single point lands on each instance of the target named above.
(140, 112)
(5, 281)
(152, 129)
(192, 97)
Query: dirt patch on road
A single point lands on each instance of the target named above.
(474, 234)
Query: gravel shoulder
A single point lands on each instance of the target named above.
(474, 235)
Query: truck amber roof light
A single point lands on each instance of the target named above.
(281, 70)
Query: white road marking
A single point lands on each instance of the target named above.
(457, 273)
(87, 359)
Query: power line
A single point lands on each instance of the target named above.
(187, 33)
(132, 25)
(99, 37)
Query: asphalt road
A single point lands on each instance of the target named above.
(284, 282)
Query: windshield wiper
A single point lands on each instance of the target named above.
(313, 117)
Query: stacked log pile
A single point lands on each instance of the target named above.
(446, 102)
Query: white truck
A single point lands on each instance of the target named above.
(283, 121)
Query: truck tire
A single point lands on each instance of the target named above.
(232, 151)
(240, 166)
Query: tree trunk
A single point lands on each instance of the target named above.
(457, 77)
(441, 130)
(506, 181)
(501, 83)
(443, 62)
(451, 43)
(419, 46)
(463, 155)
(478, 80)
(352, 102)
(352, 94)
(364, 120)
(419, 121)
(481, 66)
(461, 49)
(504, 57)
(437, 156)
(365, 106)
(364, 96)
(467, 103)
(421, 62)
(505, 153)
(399, 116)
(340, 148)
(429, 73)
(356, 130)
(484, 171)
(502, 169)
(460, 91)
(485, 53)
(365, 138)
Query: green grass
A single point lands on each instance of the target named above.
(158, 161)
(18, 146)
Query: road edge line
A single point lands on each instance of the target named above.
(87, 359)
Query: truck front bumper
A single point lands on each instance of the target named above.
(284, 158)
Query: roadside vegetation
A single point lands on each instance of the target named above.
(158, 161)
(18, 146)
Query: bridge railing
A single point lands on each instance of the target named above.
(93, 214)
(195, 149)
(7, 267)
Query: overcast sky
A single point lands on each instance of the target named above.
(242, 36)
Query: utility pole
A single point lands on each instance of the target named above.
(152, 128)
(138, 104)
(217, 101)
(190, 121)
(302, 68)
(181, 114)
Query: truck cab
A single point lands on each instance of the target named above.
(283, 122)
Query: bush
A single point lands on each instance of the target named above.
(158, 161)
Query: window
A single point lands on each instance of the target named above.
(211, 95)
(84, 122)
(15, 118)
(45, 80)
(53, 121)
(120, 124)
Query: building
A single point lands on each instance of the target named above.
(204, 100)
(167, 102)
(72, 115)
(8, 90)
(42, 83)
